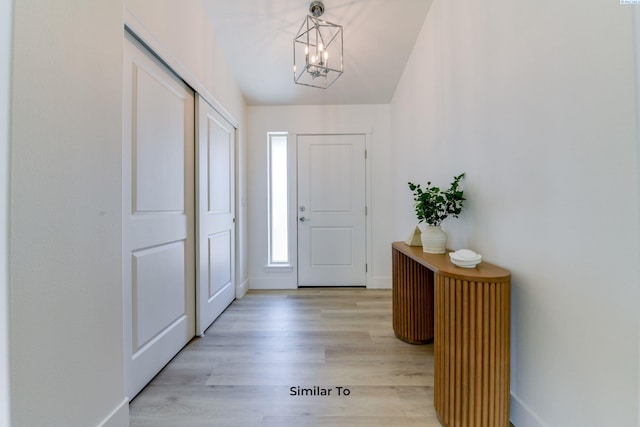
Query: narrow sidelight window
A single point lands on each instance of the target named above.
(278, 191)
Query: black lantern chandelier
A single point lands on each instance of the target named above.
(317, 50)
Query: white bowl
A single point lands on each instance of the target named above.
(465, 264)
(465, 258)
(465, 255)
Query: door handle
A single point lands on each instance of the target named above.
(303, 219)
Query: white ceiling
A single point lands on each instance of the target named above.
(257, 38)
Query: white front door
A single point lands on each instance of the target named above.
(216, 215)
(331, 210)
(158, 216)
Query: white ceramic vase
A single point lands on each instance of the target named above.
(434, 240)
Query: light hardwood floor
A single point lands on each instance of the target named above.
(241, 374)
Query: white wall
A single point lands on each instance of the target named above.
(369, 119)
(66, 331)
(636, 36)
(66, 288)
(535, 101)
(6, 18)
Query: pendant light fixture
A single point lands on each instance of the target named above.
(317, 50)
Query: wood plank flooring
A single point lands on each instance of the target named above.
(242, 373)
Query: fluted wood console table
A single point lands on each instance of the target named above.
(467, 312)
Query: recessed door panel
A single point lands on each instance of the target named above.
(330, 178)
(220, 147)
(339, 239)
(158, 151)
(158, 291)
(219, 261)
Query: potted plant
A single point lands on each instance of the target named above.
(433, 205)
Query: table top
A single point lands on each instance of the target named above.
(441, 264)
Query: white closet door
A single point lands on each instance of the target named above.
(216, 215)
(158, 216)
(331, 210)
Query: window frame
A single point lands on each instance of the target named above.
(271, 263)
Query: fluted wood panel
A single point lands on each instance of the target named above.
(412, 300)
(471, 351)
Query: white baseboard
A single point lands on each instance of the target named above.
(282, 283)
(379, 283)
(272, 283)
(119, 417)
(523, 416)
(242, 289)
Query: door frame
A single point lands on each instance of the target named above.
(293, 166)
